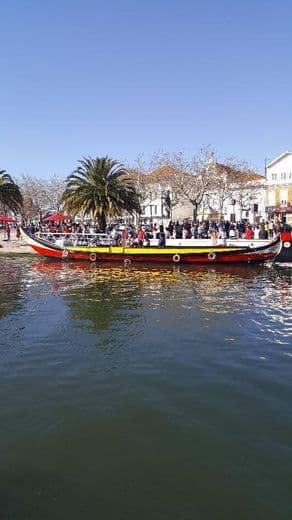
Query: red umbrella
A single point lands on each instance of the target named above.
(56, 217)
(3, 218)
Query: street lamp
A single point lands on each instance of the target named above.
(166, 201)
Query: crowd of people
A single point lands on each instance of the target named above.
(221, 229)
(141, 235)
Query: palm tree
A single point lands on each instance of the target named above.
(10, 194)
(99, 188)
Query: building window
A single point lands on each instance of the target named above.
(143, 210)
(274, 176)
(155, 210)
(283, 175)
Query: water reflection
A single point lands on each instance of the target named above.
(207, 282)
(99, 294)
(102, 293)
(122, 378)
(143, 275)
(120, 286)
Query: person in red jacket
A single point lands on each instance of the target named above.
(249, 233)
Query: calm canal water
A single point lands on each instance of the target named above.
(145, 393)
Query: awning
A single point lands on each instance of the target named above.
(56, 217)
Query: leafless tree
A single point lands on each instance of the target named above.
(223, 186)
(196, 177)
(246, 183)
(40, 195)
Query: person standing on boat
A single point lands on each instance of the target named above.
(154, 230)
(161, 237)
(241, 229)
(141, 236)
(167, 233)
(266, 227)
(178, 230)
(115, 235)
(125, 236)
(256, 232)
(171, 228)
(232, 231)
(263, 234)
(271, 229)
(249, 233)
(221, 230)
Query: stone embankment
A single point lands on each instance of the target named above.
(14, 245)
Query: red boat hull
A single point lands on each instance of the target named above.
(180, 257)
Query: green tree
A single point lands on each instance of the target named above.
(100, 188)
(10, 194)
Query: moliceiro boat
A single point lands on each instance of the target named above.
(198, 254)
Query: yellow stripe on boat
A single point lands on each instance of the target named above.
(154, 250)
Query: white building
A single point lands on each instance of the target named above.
(246, 202)
(279, 187)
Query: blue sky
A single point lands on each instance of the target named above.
(123, 78)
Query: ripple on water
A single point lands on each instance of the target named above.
(121, 372)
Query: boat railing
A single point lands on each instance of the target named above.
(75, 239)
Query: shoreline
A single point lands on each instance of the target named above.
(14, 246)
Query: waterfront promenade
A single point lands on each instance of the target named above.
(14, 246)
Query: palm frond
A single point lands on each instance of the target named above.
(99, 188)
(10, 194)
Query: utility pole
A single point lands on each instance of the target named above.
(162, 200)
